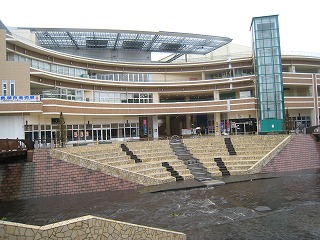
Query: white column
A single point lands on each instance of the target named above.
(203, 76)
(315, 111)
(216, 95)
(217, 120)
(155, 127)
(292, 68)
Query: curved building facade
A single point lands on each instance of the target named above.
(107, 87)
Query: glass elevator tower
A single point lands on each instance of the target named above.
(268, 70)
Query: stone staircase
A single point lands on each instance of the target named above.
(222, 167)
(163, 161)
(159, 151)
(194, 165)
(233, 155)
(229, 146)
(130, 153)
(173, 172)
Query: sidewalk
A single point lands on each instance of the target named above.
(189, 184)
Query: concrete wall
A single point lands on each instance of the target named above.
(18, 71)
(12, 127)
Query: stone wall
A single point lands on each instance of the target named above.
(47, 176)
(87, 227)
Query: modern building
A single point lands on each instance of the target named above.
(108, 87)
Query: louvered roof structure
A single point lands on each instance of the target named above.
(169, 42)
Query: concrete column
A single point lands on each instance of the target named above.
(203, 76)
(292, 68)
(150, 126)
(217, 120)
(155, 127)
(188, 121)
(315, 110)
(156, 98)
(216, 95)
(168, 126)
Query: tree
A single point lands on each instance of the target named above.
(61, 133)
(288, 123)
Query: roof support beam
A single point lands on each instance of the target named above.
(175, 57)
(72, 39)
(116, 42)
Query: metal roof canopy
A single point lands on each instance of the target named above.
(169, 42)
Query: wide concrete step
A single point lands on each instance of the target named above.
(140, 166)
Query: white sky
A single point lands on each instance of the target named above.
(299, 20)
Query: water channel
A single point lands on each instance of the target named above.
(285, 207)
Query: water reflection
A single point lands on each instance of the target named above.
(265, 209)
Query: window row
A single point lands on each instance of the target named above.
(64, 93)
(100, 96)
(79, 72)
(126, 77)
(45, 134)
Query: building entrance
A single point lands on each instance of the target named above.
(243, 126)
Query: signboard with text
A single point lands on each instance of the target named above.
(27, 98)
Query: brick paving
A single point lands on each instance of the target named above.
(46, 176)
(302, 153)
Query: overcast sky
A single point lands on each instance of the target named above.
(299, 20)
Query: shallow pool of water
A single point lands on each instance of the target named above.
(286, 207)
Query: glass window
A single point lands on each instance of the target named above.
(34, 63)
(268, 60)
(4, 87)
(276, 60)
(269, 69)
(53, 68)
(277, 69)
(12, 87)
(267, 42)
(116, 77)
